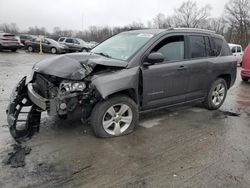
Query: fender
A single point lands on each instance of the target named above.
(111, 83)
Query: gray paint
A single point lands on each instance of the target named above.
(111, 83)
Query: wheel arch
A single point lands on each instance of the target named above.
(227, 78)
(131, 93)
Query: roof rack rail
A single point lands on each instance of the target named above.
(196, 29)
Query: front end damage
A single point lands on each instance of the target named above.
(67, 86)
(22, 115)
(46, 93)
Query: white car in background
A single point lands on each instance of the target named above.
(237, 52)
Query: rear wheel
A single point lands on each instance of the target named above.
(114, 117)
(245, 79)
(30, 49)
(217, 94)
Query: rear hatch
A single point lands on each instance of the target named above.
(9, 39)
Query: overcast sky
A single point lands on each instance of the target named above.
(75, 14)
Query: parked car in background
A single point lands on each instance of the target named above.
(48, 45)
(8, 42)
(86, 46)
(93, 44)
(74, 44)
(26, 38)
(237, 52)
(245, 71)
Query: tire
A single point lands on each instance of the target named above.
(14, 50)
(216, 95)
(115, 125)
(53, 50)
(245, 79)
(30, 49)
(84, 50)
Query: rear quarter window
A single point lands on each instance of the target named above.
(221, 47)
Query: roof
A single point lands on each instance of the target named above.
(158, 31)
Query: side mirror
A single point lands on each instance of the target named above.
(155, 58)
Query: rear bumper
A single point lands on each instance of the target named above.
(10, 47)
(245, 73)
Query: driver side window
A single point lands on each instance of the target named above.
(172, 48)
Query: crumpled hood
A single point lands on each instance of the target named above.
(64, 66)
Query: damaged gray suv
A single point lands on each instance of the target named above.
(129, 73)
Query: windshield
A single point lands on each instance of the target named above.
(51, 41)
(122, 46)
(81, 41)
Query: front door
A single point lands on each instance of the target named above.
(166, 83)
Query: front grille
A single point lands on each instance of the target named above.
(41, 85)
(46, 85)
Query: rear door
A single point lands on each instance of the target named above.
(199, 52)
(166, 83)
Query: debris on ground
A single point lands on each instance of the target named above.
(16, 158)
(224, 114)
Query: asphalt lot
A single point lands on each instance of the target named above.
(185, 147)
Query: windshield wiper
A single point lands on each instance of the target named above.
(103, 54)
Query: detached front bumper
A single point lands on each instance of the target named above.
(19, 107)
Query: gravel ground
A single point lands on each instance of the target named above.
(184, 147)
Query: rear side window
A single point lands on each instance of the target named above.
(221, 47)
(197, 47)
(208, 46)
(76, 41)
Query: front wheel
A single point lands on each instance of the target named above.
(53, 50)
(115, 116)
(217, 95)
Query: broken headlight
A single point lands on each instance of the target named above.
(72, 86)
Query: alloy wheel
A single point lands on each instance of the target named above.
(117, 119)
(218, 94)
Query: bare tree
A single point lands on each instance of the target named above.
(238, 17)
(190, 15)
(219, 25)
(162, 22)
(37, 31)
(9, 28)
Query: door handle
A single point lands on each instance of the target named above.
(182, 67)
